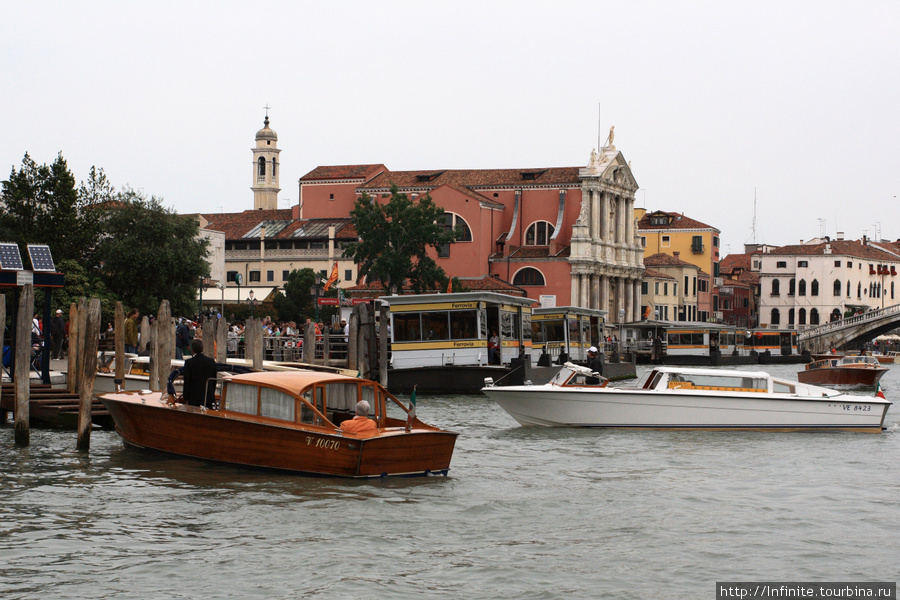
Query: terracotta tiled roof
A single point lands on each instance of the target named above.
(656, 274)
(734, 261)
(854, 248)
(235, 225)
(676, 221)
(325, 173)
(665, 260)
(474, 178)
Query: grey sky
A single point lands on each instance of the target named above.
(711, 100)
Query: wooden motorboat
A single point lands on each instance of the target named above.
(287, 420)
(686, 398)
(137, 373)
(843, 370)
(885, 359)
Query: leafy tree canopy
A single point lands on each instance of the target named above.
(298, 302)
(394, 239)
(149, 253)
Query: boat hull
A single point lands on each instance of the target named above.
(867, 376)
(619, 408)
(256, 442)
(449, 379)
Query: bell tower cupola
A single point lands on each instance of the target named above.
(266, 169)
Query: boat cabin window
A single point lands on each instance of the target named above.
(716, 382)
(242, 398)
(783, 387)
(276, 404)
(407, 327)
(316, 397)
(435, 326)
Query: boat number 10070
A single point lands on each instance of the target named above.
(323, 443)
(857, 407)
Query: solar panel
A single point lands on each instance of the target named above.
(10, 258)
(41, 259)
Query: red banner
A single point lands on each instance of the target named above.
(327, 301)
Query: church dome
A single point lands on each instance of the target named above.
(265, 133)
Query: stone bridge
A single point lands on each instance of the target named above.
(852, 332)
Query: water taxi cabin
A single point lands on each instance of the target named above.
(695, 339)
(565, 333)
(455, 329)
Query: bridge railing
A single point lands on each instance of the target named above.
(872, 315)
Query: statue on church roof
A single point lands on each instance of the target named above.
(611, 137)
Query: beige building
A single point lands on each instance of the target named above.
(672, 299)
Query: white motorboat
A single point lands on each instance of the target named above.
(683, 398)
(137, 373)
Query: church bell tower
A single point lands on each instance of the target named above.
(265, 169)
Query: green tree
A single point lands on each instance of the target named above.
(42, 206)
(79, 282)
(149, 253)
(394, 239)
(298, 302)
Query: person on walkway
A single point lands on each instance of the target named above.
(493, 348)
(131, 331)
(182, 339)
(198, 370)
(57, 335)
(361, 423)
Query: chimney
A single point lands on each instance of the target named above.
(676, 254)
(840, 236)
(864, 240)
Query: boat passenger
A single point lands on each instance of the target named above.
(198, 370)
(361, 423)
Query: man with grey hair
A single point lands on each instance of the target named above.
(361, 423)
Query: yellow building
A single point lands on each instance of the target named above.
(669, 290)
(693, 242)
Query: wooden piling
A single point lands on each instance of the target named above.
(74, 353)
(91, 339)
(352, 343)
(119, 337)
(253, 333)
(308, 354)
(145, 335)
(165, 343)
(23, 364)
(221, 340)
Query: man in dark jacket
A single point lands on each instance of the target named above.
(182, 339)
(57, 335)
(197, 373)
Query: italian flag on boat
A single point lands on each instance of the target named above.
(878, 392)
(411, 415)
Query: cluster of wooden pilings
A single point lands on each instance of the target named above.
(158, 339)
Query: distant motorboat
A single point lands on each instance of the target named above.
(843, 370)
(687, 398)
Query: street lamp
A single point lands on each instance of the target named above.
(221, 286)
(204, 285)
(252, 302)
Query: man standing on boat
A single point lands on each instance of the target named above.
(595, 364)
(361, 423)
(198, 370)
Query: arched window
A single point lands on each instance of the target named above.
(801, 317)
(792, 287)
(538, 234)
(776, 317)
(528, 276)
(262, 166)
(801, 289)
(848, 288)
(814, 288)
(813, 316)
(791, 317)
(859, 290)
(776, 287)
(273, 168)
(463, 234)
(837, 287)
(835, 315)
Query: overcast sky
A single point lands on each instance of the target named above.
(797, 103)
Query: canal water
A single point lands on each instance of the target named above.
(525, 513)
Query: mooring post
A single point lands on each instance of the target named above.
(23, 364)
(259, 345)
(352, 343)
(165, 333)
(145, 335)
(119, 336)
(74, 350)
(308, 352)
(221, 340)
(91, 337)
